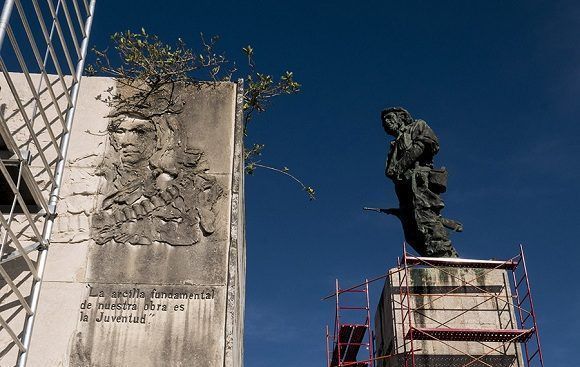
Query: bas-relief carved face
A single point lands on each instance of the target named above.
(134, 138)
(144, 206)
(392, 123)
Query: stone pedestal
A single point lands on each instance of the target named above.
(146, 264)
(445, 298)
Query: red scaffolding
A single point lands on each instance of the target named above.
(351, 323)
(520, 334)
(523, 331)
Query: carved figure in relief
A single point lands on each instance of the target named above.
(418, 184)
(157, 190)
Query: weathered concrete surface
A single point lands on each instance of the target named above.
(477, 299)
(202, 323)
(11, 310)
(164, 264)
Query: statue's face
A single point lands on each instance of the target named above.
(135, 139)
(392, 123)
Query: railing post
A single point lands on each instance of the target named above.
(4, 19)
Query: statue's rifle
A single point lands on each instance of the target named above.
(389, 211)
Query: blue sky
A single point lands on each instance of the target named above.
(498, 81)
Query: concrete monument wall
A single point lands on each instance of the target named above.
(146, 265)
(455, 298)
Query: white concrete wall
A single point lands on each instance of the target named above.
(197, 332)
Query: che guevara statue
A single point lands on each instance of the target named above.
(418, 184)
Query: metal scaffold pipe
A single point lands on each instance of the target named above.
(4, 19)
(54, 194)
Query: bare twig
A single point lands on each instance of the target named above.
(285, 171)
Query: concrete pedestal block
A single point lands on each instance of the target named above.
(445, 298)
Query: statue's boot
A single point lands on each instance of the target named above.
(441, 249)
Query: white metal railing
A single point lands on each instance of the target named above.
(43, 47)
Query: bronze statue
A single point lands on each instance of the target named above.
(418, 184)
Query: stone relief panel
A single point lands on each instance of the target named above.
(157, 189)
(161, 211)
(140, 249)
